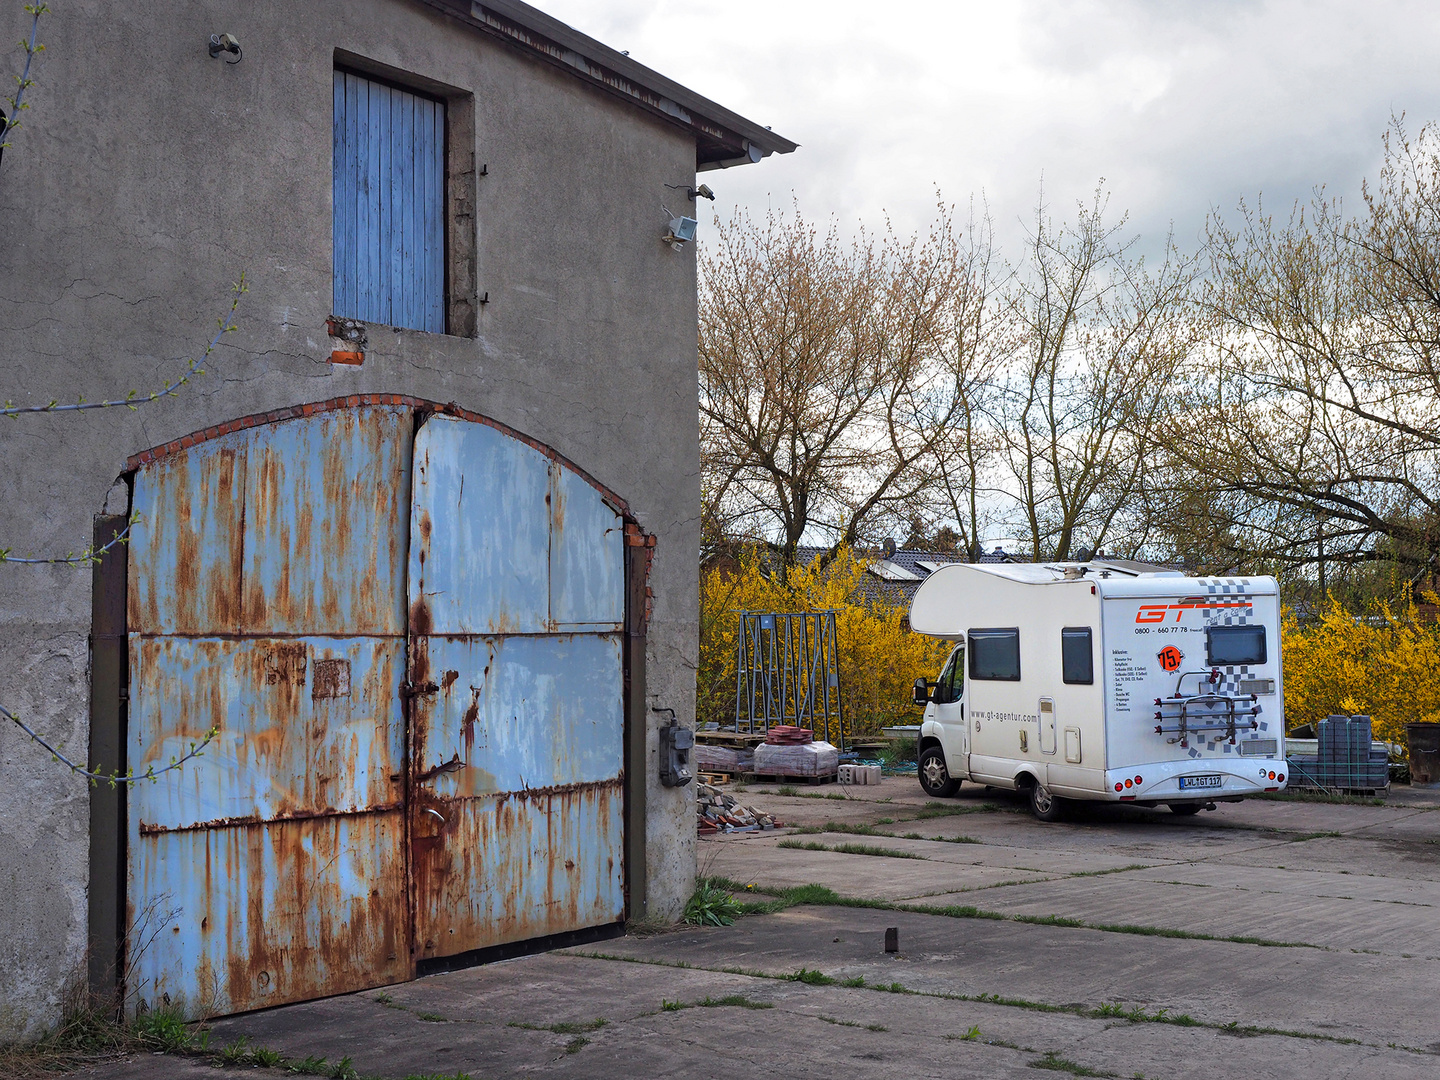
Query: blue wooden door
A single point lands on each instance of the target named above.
(389, 192)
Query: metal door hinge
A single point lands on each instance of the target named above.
(411, 690)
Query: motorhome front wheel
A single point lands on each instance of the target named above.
(935, 778)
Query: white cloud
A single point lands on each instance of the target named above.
(1179, 106)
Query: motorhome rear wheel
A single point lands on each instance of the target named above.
(1045, 806)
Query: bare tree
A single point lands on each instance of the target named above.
(1313, 419)
(1103, 336)
(833, 375)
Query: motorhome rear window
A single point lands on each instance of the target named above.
(1077, 657)
(1228, 645)
(995, 654)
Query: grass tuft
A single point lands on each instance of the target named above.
(712, 905)
(1053, 1061)
(735, 1001)
(310, 1065)
(847, 849)
(813, 978)
(564, 1027)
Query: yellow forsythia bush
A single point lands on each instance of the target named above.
(880, 659)
(1386, 665)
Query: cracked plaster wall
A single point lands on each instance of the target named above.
(147, 177)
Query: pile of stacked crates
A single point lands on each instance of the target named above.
(1344, 759)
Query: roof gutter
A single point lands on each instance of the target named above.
(722, 138)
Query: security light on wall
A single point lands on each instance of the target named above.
(681, 231)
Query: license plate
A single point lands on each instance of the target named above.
(1188, 782)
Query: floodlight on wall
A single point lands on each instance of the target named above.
(680, 231)
(225, 43)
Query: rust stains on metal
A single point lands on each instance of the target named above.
(420, 617)
(147, 829)
(515, 866)
(448, 679)
(453, 765)
(315, 511)
(564, 789)
(467, 721)
(300, 910)
(185, 547)
(332, 679)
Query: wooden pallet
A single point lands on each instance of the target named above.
(783, 778)
(715, 777)
(741, 739)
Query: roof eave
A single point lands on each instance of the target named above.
(722, 138)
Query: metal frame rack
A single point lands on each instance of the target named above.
(787, 671)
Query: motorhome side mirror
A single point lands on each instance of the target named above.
(922, 692)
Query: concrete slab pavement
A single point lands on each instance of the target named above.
(1356, 998)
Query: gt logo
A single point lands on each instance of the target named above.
(1155, 613)
(1170, 657)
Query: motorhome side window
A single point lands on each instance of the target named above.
(952, 680)
(1229, 645)
(995, 654)
(1077, 658)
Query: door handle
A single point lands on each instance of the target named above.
(437, 815)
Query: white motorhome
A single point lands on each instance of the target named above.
(1104, 681)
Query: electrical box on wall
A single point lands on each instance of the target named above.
(675, 744)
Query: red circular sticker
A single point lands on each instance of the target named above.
(1170, 657)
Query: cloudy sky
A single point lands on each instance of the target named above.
(1179, 106)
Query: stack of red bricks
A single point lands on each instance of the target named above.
(789, 735)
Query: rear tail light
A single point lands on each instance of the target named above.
(1129, 783)
(1280, 777)
(1138, 781)
(1119, 786)
(1271, 774)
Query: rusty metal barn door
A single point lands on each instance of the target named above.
(267, 600)
(516, 594)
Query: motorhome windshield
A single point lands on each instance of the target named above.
(1229, 645)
